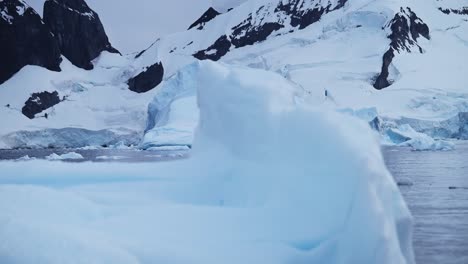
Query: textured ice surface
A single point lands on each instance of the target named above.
(262, 186)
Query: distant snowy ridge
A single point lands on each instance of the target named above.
(267, 19)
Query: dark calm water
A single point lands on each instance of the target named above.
(434, 184)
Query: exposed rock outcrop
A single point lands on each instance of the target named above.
(39, 102)
(147, 79)
(78, 31)
(216, 51)
(406, 27)
(304, 15)
(209, 15)
(461, 11)
(25, 40)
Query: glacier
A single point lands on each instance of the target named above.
(262, 185)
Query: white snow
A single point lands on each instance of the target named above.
(342, 53)
(262, 186)
(99, 109)
(66, 156)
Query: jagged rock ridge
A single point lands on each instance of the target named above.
(259, 25)
(406, 27)
(209, 15)
(461, 11)
(78, 31)
(25, 40)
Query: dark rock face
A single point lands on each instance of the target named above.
(205, 18)
(382, 81)
(253, 29)
(304, 17)
(78, 31)
(246, 33)
(39, 102)
(24, 40)
(406, 28)
(216, 51)
(461, 11)
(148, 79)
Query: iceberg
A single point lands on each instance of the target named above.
(405, 135)
(267, 181)
(67, 156)
(25, 158)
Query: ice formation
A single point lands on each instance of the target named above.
(268, 182)
(66, 156)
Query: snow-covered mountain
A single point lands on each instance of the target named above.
(393, 62)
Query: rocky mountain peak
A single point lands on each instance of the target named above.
(78, 31)
(405, 29)
(25, 40)
(209, 15)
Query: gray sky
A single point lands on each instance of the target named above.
(132, 25)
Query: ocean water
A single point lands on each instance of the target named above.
(433, 183)
(435, 187)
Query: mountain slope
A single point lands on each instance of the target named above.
(333, 51)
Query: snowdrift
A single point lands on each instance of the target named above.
(268, 182)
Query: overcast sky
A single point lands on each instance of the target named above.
(132, 25)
